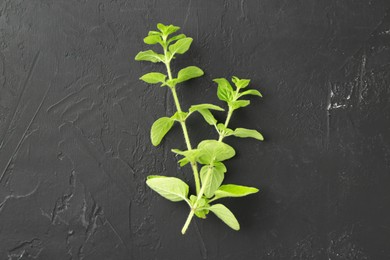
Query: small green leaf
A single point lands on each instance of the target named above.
(243, 133)
(159, 129)
(167, 29)
(214, 181)
(149, 55)
(235, 79)
(240, 83)
(171, 83)
(184, 161)
(170, 188)
(177, 37)
(225, 90)
(200, 210)
(181, 46)
(179, 116)
(239, 103)
(190, 155)
(152, 39)
(251, 92)
(226, 131)
(232, 190)
(189, 73)
(205, 106)
(153, 78)
(225, 215)
(210, 119)
(154, 33)
(220, 167)
(214, 151)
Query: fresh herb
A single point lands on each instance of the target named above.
(206, 160)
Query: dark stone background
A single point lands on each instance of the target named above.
(75, 120)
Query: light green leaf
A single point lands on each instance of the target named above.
(179, 116)
(176, 37)
(170, 188)
(214, 180)
(225, 90)
(210, 119)
(189, 73)
(181, 46)
(153, 78)
(225, 215)
(232, 190)
(149, 55)
(214, 151)
(205, 106)
(190, 155)
(243, 133)
(220, 167)
(152, 39)
(251, 92)
(226, 131)
(171, 82)
(160, 128)
(199, 212)
(239, 103)
(154, 33)
(184, 161)
(167, 29)
(240, 83)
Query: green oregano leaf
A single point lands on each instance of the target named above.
(240, 83)
(253, 92)
(208, 117)
(243, 133)
(152, 39)
(179, 116)
(176, 37)
(205, 106)
(239, 103)
(202, 206)
(189, 73)
(149, 55)
(225, 215)
(181, 46)
(190, 155)
(232, 190)
(167, 29)
(212, 182)
(153, 78)
(160, 128)
(225, 90)
(170, 188)
(214, 151)
(223, 129)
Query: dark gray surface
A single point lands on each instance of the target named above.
(74, 129)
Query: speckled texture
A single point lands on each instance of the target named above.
(75, 120)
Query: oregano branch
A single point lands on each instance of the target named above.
(209, 153)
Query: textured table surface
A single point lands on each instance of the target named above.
(75, 120)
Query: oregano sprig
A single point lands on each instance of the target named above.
(209, 155)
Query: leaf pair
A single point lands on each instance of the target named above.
(225, 91)
(204, 110)
(176, 190)
(183, 75)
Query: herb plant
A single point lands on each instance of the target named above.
(209, 155)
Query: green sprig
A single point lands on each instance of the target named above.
(209, 154)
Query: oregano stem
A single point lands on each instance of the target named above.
(188, 221)
(200, 194)
(194, 166)
(229, 115)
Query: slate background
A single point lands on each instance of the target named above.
(74, 129)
